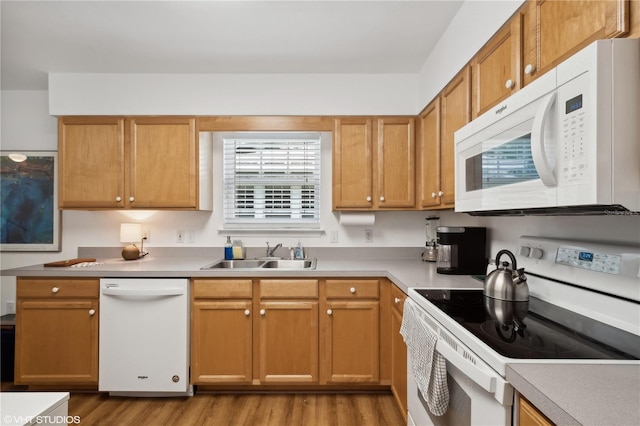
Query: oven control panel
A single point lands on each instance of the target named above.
(593, 261)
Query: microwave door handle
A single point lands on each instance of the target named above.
(540, 160)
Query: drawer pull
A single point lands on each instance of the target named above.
(246, 312)
(262, 312)
(329, 312)
(118, 199)
(55, 290)
(131, 199)
(368, 198)
(92, 312)
(352, 290)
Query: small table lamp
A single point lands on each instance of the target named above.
(130, 232)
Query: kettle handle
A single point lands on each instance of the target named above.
(511, 257)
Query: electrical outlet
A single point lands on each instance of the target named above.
(11, 307)
(368, 235)
(333, 236)
(146, 233)
(180, 236)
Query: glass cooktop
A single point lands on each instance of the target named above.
(533, 329)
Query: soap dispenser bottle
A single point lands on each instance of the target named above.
(228, 249)
(299, 251)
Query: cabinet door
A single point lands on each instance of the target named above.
(395, 171)
(398, 351)
(496, 68)
(350, 339)
(56, 342)
(352, 164)
(91, 161)
(530, 416)
(456, 112)
(221, 342)
(560, 28)
(288, 342)
(163, 163)
(428, 156)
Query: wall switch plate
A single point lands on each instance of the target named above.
(180, 236)
(11, 307)
(368, 235)
(191, 236)
(333, 236)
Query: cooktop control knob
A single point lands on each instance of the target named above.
(536, 253)
(524, 251)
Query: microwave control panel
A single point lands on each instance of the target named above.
(574, 155)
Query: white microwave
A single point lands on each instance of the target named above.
(568, 143)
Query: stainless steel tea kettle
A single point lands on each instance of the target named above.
(507, 284)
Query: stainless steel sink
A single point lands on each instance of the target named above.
(291, 264)
(263, 264)
(235, 264)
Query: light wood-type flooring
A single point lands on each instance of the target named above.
(236, 409)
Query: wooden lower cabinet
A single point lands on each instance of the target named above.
(57, 332)
(398, 351)
(221, 331)
(350, 332)
(530, 415)
(286, 340)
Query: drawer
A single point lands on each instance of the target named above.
(397, 299)
(288, 289)
(58, 288)
(221, 289)
(353, 289)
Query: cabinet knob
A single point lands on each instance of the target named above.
(246, 312)
(55, 290)
(529, 69)
(440, 193)
(118, 199)
(329, 312)
(368, 198)
(381, 198)
(509, 84)
(434, 195)
(92, 312)
(396, 300)
(262, 312)
(352, 290)
(131, 199)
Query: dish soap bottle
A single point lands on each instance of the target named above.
(299, 254)
(228, 249)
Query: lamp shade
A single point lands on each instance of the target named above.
(130, 232)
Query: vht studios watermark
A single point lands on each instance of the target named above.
(49, 420)
(621, 213)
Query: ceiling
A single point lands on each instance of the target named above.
(216, 37)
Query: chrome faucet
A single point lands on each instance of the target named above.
(271, 250)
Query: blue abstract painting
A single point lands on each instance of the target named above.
(29, 217)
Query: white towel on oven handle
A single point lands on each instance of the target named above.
(428, 366)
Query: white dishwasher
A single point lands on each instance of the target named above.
(144, 337)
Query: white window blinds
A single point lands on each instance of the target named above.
(272, 180)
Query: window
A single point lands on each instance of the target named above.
(272, 180)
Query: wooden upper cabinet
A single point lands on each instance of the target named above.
(555, 29)
(91, 162)
(374, 163)
(136, 162)
(496, 68)
(352, 163)
(395, 160)
(456, 112)
(428, 156)
(163, 162)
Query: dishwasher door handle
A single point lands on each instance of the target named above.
(153, 292)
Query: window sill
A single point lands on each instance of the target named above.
(307, 232)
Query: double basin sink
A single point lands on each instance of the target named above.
(263, 264)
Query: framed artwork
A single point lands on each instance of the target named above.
(29, 213)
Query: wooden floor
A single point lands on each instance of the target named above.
(236, 409)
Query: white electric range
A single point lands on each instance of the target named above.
(584, 308)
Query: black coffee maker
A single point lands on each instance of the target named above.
(461, 250)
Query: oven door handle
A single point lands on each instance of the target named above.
(483, 379)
